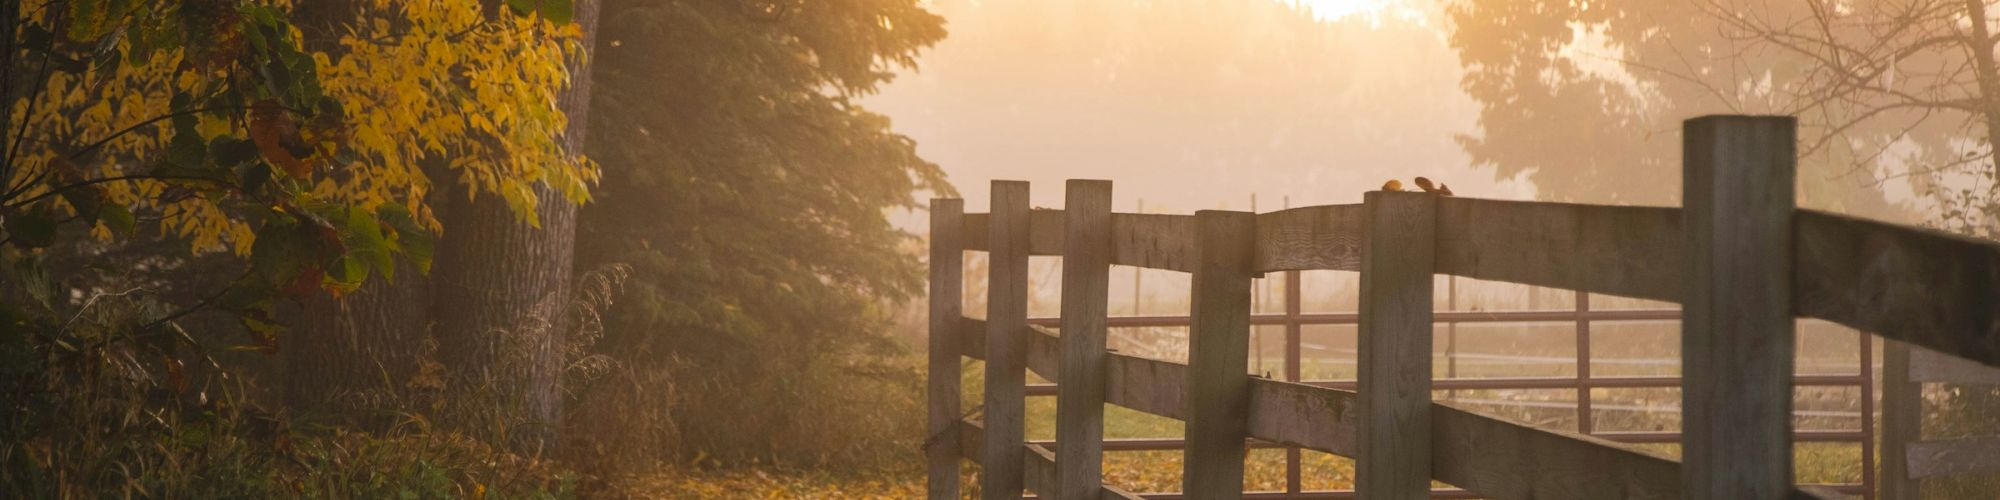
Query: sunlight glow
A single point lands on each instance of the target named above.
(1333, 10)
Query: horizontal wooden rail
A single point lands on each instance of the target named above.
(1929, 366)
(1540, 383)
(1489, 456)
(1349, 318)
(1038, 464)
(1930, 288)
(1955, 456)
(1623, 437)
(1153, 241)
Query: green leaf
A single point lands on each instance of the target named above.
(186, 151)
(85, 17)
(410, 239)
(279, 251)
(118, 218)
(349, 272)
(34, 228)
(186, 155)
(365, 241)
(556, 11)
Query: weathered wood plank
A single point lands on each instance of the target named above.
(1956, 456)
(1086, 290)
(947, 272)
(1006, 348)
(1932, 289)
(1153, 241)
(1044, 352)
(976, 231)
(972, 338)
(1737, 327)
(1503, 459)
(1930, 366)
(1039, 465)
(1276, 407)
(1626, 251)
(1323, 237)
(1938, 290)
(1902, 421)
(1507, 466)
(1393, 354)
(1045, 231)
(1219, 355)
(1147, 385)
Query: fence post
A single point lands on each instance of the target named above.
(1902, 421)
(1006, 348)
(946, 290)
(1737, 331)
(1086, 289)
(1293, 329)
(1394, 346)
(1218, 381)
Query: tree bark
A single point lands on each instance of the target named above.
(503, 288)
(350, 355)
(358, 353)
(1981, 47)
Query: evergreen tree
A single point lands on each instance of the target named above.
(748, 193)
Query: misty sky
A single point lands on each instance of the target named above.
(1191, 104)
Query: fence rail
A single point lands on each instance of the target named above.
(1740, 257)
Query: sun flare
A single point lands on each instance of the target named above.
(1336, 9)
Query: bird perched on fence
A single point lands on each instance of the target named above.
(1422, 183)
(1438, 188)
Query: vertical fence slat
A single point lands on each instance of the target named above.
(946, 295)
(1218, 382)
(1293, 329)
(1085, 291)
(1737, 333)
(1902, 421)
(1394, 346)
(1006, 349)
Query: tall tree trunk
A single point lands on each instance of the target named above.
(503, 287)
(1988, 77)
(357, 352)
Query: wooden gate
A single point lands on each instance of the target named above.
(1739, 256)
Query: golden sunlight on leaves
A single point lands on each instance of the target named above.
(478, 98)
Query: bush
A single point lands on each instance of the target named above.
(99, 407)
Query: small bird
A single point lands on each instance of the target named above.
(1392, 185)
(1435, 188)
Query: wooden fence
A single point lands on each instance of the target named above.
(1907, 457)
(1739, 256)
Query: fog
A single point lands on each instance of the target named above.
(1196, 104)
(1190, 105)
